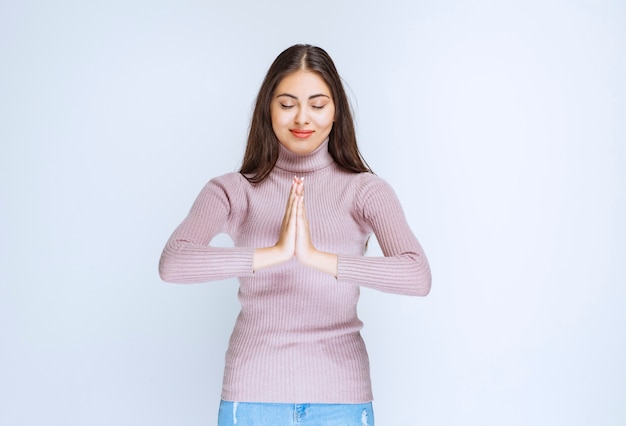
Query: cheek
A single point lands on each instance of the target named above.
(279, 118)
(275, 120)
(328, 119)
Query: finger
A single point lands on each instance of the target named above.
(303, 224)
(290, 202)
(303, 237)
(292, 191)
(300, 186)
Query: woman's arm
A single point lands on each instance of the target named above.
(188, 257)
(404, 269)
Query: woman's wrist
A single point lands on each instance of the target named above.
(269, 256)
(322, 261)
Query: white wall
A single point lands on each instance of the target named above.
(500, 125)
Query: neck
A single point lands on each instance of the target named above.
(297, 163)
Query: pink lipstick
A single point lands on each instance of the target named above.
(301, 133)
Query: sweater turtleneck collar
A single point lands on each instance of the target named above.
(296, 163)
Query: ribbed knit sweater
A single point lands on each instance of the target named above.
(297, 338)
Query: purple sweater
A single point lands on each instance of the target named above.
(297, 338)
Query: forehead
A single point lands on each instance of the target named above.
(303, 82)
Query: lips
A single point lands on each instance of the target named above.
(301, 133)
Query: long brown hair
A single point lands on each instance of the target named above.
(263, 145)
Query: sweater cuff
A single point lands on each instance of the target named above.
(186, 264)
(350, 269)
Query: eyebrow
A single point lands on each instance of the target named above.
(289, 95)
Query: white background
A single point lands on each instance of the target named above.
(500, 125)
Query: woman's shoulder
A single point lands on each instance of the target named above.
(366, 182)
(366, 188)
(228, 179)
(228, 184)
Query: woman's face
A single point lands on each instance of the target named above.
(302, 111)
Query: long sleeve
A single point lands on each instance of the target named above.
(188, 257)
(298, 325)
(404, 269)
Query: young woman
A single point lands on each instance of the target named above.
(300, 213)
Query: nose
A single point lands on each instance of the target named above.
(302, 117)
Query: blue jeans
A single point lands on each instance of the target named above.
(278, 414)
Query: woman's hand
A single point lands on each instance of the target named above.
(295, 238)
(305, 251)
(284, 249)
(287, 239)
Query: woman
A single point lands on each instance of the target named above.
(296, 351)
